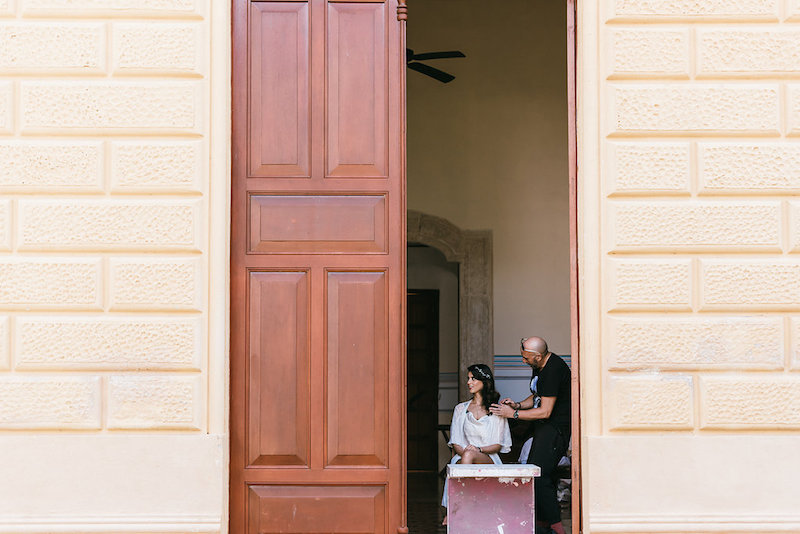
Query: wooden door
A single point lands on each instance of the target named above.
(423, 379)
(318, 267)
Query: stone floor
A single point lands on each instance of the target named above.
(425, 512)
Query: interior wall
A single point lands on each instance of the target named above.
(429, 269)
(489, 150)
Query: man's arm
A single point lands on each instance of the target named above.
(542, 412)
(522, 405)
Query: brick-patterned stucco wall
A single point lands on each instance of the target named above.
(690, 234)
(105, 266)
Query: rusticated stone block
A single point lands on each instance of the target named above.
(109, 225)
(691, 342)
(141, 166)
(148, 48)
(50, 284)
(693, 9)
(649, 168)
(651, 401)
(5, 225)
(129, 106)
(649, 284)
(695, 108)
(794, 226)
(111, 8)
(750, 285)
(154, 401)
(6, 108)
(749, 167)
(794, 10)
(5, 340)
(762, 401)
(52, 166)
(647, 52)
(49, 47)
(726, 52)
(160, 284)
(695, 225)
(108, 343)
(795, 339)
(793, 108)
(49, 402)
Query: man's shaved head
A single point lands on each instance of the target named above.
(535, 344)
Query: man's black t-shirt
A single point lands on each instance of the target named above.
(554, 380)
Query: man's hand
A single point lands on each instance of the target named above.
(503, 410)
(508, 401)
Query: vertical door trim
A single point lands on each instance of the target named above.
(572, 97)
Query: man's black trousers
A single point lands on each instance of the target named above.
(549, 445)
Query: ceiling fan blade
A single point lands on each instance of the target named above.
(437, 55)
(432, 72)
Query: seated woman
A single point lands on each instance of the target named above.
(477, 436)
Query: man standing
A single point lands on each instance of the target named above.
(548, 407)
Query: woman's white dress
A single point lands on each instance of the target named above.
(488, 430)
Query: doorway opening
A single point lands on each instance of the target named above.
(432, 313)
(491, 151)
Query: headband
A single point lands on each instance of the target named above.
(483, 373)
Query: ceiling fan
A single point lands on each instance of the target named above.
(413, 64)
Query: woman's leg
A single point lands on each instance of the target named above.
(475, 457)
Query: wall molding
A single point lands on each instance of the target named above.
(696, 523)
(110, 524)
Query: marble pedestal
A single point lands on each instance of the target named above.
(491, 499)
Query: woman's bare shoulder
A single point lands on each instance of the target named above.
(461, 407)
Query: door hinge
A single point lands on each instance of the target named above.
(402, 12)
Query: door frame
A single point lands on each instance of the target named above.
(571, 43)
(572, 136)
(472, 250)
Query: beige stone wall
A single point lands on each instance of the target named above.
(488, 151)
(689, 164)
(113, 254)
(112, 281)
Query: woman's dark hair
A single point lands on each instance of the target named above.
(484, 374)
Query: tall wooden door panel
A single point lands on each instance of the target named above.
(279, 90)
(356, 406)
(318, 267)
(278, 365)
(357, 111)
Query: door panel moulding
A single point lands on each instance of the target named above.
(472, 250)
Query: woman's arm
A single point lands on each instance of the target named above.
(487, 449)
(457, 439)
